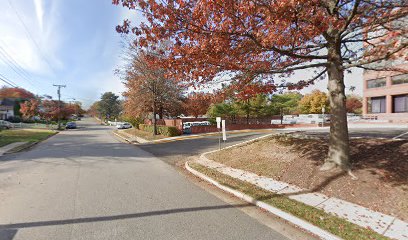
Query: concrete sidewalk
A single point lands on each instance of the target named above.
(9, 147)
(386, 225)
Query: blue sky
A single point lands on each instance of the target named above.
(72, 42)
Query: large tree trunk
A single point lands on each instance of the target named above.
(339, 150)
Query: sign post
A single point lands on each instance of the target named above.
(224, 133)
(218, 119)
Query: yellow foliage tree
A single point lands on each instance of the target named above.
(314, 102)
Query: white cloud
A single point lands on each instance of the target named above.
(24, 34)
(39, 12)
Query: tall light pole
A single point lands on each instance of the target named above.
(73, 102)
(59, 103)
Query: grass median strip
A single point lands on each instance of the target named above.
(140, 133)
(317, 217)
(23, 135)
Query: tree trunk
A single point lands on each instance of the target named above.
(154, 119)
(161, 113)
(339, 150)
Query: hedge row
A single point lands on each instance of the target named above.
(168, 131)
(135, 121)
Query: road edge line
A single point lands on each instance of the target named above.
(277, 212)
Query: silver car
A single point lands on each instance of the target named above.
(5, 124)
(123, 125)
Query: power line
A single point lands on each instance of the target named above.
(84, 99)
(16, 67)
(15, 63)
(13, 66)
(7, 81)
(29, 35)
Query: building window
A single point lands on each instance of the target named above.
(400, 103)
(399, 79)
(377, 105)
(376, 83)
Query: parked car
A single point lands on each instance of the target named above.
(187, 125)
(123, 125)
(5, 124)
(71, 125)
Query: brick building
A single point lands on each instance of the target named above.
(385, 94)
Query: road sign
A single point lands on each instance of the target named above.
(218, 119)
(224, 134)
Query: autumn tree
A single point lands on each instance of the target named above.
(52, 110)
(30, 108)
(93, 110)
(354, 104)
(197, 104)
(16, 93)
(49, 109)
(314, 102)
(256, 40)
(148, 89)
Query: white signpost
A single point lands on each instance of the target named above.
(218, 119)
(224, 134)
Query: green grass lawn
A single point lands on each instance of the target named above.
(142, 134)
(23, 135)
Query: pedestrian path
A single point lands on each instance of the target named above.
(10, 146)
(381, 223)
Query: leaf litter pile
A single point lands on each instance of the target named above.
(381, 166)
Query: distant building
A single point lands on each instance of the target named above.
(385, 94)
(6, 108)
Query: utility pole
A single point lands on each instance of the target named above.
(59, 103)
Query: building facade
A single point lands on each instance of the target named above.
(6, 108)
(385, 95)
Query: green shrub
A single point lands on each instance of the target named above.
(168, 131)
(135, 121)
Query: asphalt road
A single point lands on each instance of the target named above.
(85, 184)
(173, 152)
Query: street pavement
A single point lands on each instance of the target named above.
(362, 132)
(85, 184)
(173, 152)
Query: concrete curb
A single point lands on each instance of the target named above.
(397, 231)
(123, 138)
(286, 216)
